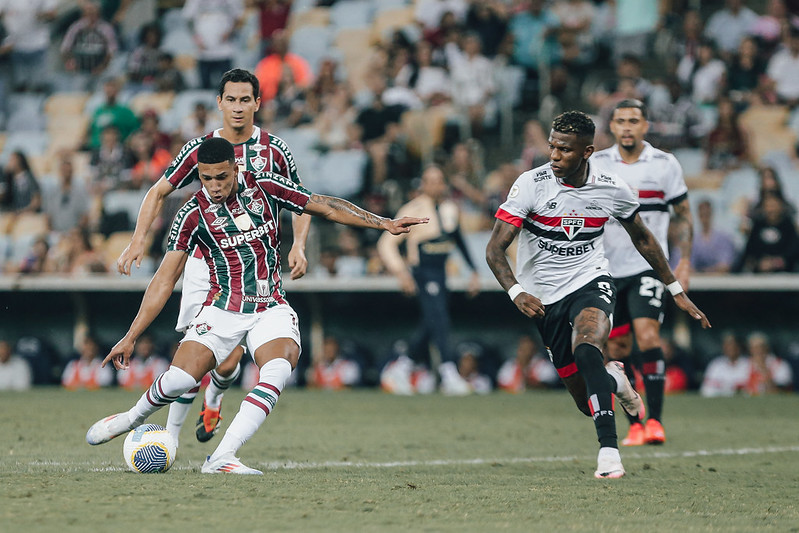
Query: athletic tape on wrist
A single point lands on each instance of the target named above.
(674, 288)
(515, 291)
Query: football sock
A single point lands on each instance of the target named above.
(653, 367)
(179, 410)
(599, 387)
(218, 385)
(255, 407)
(165, 389)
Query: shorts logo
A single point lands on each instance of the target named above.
(256, 206)
(572, 226)
(203, 328)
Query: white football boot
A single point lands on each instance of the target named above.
(608, 464)
(109, 427)
(228, 464)
(629, 399)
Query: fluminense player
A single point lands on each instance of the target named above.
(234, 222)
(256, 150)
(559, 211)
(658, 179)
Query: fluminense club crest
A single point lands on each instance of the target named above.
(256, 206)
(257, 163)
(202, 328)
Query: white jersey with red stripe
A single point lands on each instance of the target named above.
(560, 245)
(657, 180)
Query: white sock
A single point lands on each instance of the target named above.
(178, 411)
(255, 407)
(165, 389)
(217, 387)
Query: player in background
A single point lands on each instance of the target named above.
(658, 179)
(256, 150)
(234, 221)
(559, 211)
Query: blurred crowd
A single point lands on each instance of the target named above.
(97, 98)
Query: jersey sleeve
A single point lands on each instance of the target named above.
(286, 164)
(184, 227)
(676, 189)
(518, 204)
(183, 169)
(289, 194)
(625, 203)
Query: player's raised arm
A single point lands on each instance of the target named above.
(349, 214)
(497, 259)
(647, 245)
(150, 208)
(155, 297)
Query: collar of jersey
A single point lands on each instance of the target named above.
(645, 155)
(256, 134)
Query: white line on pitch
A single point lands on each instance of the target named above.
(292, 465)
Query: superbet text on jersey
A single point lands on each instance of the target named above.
(560, 243)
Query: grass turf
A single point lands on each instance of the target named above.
(366, 461)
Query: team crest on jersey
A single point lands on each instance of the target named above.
(572, 226)
(258, 163)
(203, 328)
(256, 206)
(514, 191)
(219, 222)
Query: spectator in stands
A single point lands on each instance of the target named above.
(745, 74)
(680, 372)
(214, 24)
(469, 357)
(727, 145)
(270, 70)
(74, 254)
(15, 374)
(333, 369)
(473, 86)
(143, 62)
(529, 368)
(535, 145)
(35, 260)
(86, 370)
(149, 160)
(19, 188)
(713, 249)
(727, 374)
(169, 78)
(198, 123)
(770, 184)
(636, 24)
(430, 83)
(676, 119)
(350, 261)
(146, 364)
(489, 19)
(773, 26)
(783, 70)
(726, 27)
(150, 126)
(497, 184)
(773, 241)
(533, 33)
(88, 46)
(288, 108)
(273, 16)
(27, 39)
(705, 75)
(110, 162)
(69, 206)
(768, 373)
(428, 13)
(335, 123)
(685, 46)
(111, 112)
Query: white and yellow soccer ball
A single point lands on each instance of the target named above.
(149, 448)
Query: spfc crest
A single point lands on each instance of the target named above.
(572, 226)
(256, 206)
(203, 328)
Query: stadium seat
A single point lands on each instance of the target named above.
(386, 5)
(425, 129)
(30, 224)
(25, 112)
(115, 244)
(160, 102)
(299, 139)
(66, 131)
(352, 40)
(29, 142)
(127, 202)
(72, 103)
(311, 43)
(387, 21)
(318, 17)
(692, 160)
(179, 40)
(768, 129)
(351, 14)
(341, 172)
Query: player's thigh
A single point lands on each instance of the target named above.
(194, 291)
(556, 332)
(218, 330)
(279, 323)
(591, 312)
(196, 359)
(646, 305)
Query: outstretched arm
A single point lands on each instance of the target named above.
(155, 297)
(648, 247)
(349, 214)
(501, 238)
(298, 263)
(683, 232)
(150, 207)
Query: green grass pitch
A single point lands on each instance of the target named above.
(367, 461)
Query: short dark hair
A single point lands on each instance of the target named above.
(239, 75)
(215, 150)
(633, 103)
(575, 122)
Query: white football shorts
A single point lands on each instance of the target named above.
(221, 331)
(196, 284)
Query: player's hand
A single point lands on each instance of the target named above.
(685, 303)
(133, 252)
(120, 354)
(297, 262)
(398, 226)
(529, 305)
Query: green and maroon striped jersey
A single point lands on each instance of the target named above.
(262, 152)
(239, 239)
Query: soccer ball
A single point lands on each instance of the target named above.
(149, 448)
